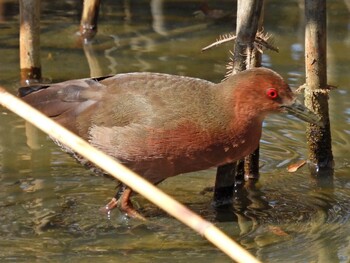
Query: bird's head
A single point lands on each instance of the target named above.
(260, 91)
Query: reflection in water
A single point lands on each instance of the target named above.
(49, 204)
(94, 65)
(158, 17)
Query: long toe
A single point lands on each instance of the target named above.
(109, 206)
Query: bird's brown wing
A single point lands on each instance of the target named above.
(132, 116)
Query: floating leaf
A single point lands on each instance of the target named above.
(295, 166)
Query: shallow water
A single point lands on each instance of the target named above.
(49, 204)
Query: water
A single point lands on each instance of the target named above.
(49, 204)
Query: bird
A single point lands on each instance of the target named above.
(161, 125)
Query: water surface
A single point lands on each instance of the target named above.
(49, 204)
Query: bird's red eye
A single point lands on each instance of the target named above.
(272, 93)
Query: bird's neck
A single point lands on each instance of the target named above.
(245, 117)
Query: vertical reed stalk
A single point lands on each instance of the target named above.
(29, 40)
(88, 24)
(316, 88)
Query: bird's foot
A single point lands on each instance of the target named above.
(110, 206)
(124, 204)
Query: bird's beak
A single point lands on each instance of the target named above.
(301, 112)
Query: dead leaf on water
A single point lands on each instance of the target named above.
(295, 166)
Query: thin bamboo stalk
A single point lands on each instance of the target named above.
(316, 90)
(120, 172)
(88, 24)
(30, 40)
(248, 16)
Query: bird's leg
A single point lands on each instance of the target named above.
(126, 206)
(122, 201)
